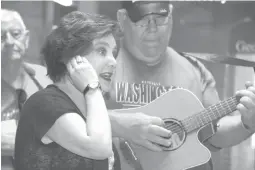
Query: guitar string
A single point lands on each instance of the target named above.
(214, 109)
(187, 121)
(179, 129)
(175, 127)
(200, 117)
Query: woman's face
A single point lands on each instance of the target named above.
(102, 57)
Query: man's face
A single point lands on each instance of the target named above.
(147, 39)
(14, 39)
(102, 58)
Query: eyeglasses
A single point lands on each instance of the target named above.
(16, 34)
(159, 20)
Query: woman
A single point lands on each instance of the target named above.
(66, 125)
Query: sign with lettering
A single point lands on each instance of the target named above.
(242, 39)
(243, 47)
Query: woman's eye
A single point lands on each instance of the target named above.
(102, 51)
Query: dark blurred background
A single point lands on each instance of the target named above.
(199, 27)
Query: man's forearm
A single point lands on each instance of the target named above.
(230, 132)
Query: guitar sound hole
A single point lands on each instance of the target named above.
(178, 134)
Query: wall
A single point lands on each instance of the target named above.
(88, 6)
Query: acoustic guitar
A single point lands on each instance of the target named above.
(184, 115)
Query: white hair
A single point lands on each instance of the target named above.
(8, 15)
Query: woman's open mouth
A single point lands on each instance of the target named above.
(106, 76)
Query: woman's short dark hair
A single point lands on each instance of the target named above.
(73, 36)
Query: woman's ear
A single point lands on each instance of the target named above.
(121, 17)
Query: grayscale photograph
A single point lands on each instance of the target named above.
(127, 85)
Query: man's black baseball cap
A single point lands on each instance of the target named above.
(138, 9)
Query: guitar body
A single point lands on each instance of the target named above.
(177, 104)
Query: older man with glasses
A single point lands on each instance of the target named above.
(19, 79)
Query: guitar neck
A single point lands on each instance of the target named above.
(210, 114)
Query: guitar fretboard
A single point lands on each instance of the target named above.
(211, 113)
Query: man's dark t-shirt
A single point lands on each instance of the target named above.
(38, 115)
